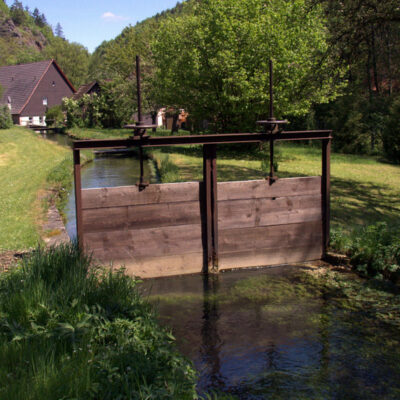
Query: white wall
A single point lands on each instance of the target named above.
(24, 121)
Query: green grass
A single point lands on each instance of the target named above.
(26, 161)
(364, 190)
(101, 133)
(71, 331)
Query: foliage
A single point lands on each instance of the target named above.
(374, 250)
(73, 112)
(391, 134)
(17, 12)
(55, 116)
(214, 62)
(73, 59)
(96, 110)
(6, 121)
(82, 332)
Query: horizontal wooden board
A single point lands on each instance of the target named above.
(268, 211)
(151, 267)
(170, 240)
(261, 257)
(131, 195)
(270, 237)
(261, 188)
(141, 216)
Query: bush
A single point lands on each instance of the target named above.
(5, 118)
(391, 133)
(55, 117)
(374, 250)
(69, 330)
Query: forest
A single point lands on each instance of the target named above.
(336, 66)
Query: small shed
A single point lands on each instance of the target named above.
(30, 89)
(88, 88)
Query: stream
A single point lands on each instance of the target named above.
(270, 334)
(267, 333)
(103, 171)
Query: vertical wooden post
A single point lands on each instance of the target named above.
(326, 187)
(211, 209)
(78, 197)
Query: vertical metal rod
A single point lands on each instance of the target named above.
(210, 198)
(271, 161)
(139, 91)
(326, 186)
(78, 197)
(271, 90)
(141, 165)
(214, 203)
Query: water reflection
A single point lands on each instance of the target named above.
(266, 334)
(117, 170)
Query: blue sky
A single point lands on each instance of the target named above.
(89, 22)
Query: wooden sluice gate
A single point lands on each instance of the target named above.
(191, 227)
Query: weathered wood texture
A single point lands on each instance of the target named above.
(263, 224)
(161, 230)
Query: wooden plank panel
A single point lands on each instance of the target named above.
(142, 216)
(267, 211)
(130, 195)
(270, 237)
(152, 267)
(262, 257)
(126, 244)
(261, 188)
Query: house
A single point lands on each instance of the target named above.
(89, 88)
(30, 89)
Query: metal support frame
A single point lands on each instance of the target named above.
(325, 189)
(272, 132)
(78, 197)
(210, 205)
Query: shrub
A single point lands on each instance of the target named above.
(55, 116)
(69, 330)
(5, 118)
(373, 250)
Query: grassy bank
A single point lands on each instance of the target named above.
(68, 330)
(364, 190)
(28, 165)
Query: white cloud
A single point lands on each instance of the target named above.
(111, 17)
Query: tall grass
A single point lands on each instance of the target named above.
(70, 331)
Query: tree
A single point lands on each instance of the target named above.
(214, 62)
(59, 31)
(17, 12)
(73, 58)
(39, 19)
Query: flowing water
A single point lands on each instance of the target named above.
(271, 334)
(106, 170)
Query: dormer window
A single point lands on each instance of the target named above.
(45, 101)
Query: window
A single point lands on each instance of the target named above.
(45, 101)
(30, 120)
(41, 119)
(53, 83)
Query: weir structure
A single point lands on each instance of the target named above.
(178, 228)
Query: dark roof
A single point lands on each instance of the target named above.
(20, 81)
(84, 89)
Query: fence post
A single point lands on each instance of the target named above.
(78, 197)
(211, 207)
(326, 186)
